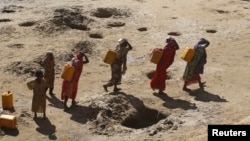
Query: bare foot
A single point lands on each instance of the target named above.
(186, 89)
(202, 84)
(51, 93)
(160, 92)
(74, 103)
(66, 107)
(105, 88)
(117, 89)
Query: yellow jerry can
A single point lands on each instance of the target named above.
(8, 121)
(7, 100)
(188, 54)
(67, 72)
(156, 56)
(109, 56)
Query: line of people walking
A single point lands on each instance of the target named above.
(44, 82)
(193, 68)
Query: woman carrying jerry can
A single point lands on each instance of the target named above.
(167, 58)
(119, 66)
(196, 66)
(69, 88)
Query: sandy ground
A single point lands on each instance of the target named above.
(29, 28)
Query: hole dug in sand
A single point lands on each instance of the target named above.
(144, 117)
(121, 113)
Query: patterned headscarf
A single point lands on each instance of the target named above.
(202, 43)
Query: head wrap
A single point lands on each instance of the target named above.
(202, 43)
(122, 40)
(79, 55)
(39, 73)
(49, 54)
(169, 38)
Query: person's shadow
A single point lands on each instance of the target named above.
(46, 128)
(55, 102)
(202, 95)
(175, 103)
(82, 114)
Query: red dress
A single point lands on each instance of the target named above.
(158, 80)
(69, 88)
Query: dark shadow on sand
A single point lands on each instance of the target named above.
(54, 101)
(175, 103)
(10, 132)
(11, 110)
(202, 95)
(46, 128)
(147, 116)
(137, 103)
(144, 116)
(134, 101)
(82, 114)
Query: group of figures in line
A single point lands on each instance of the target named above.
(193, 68)
(45, 81)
